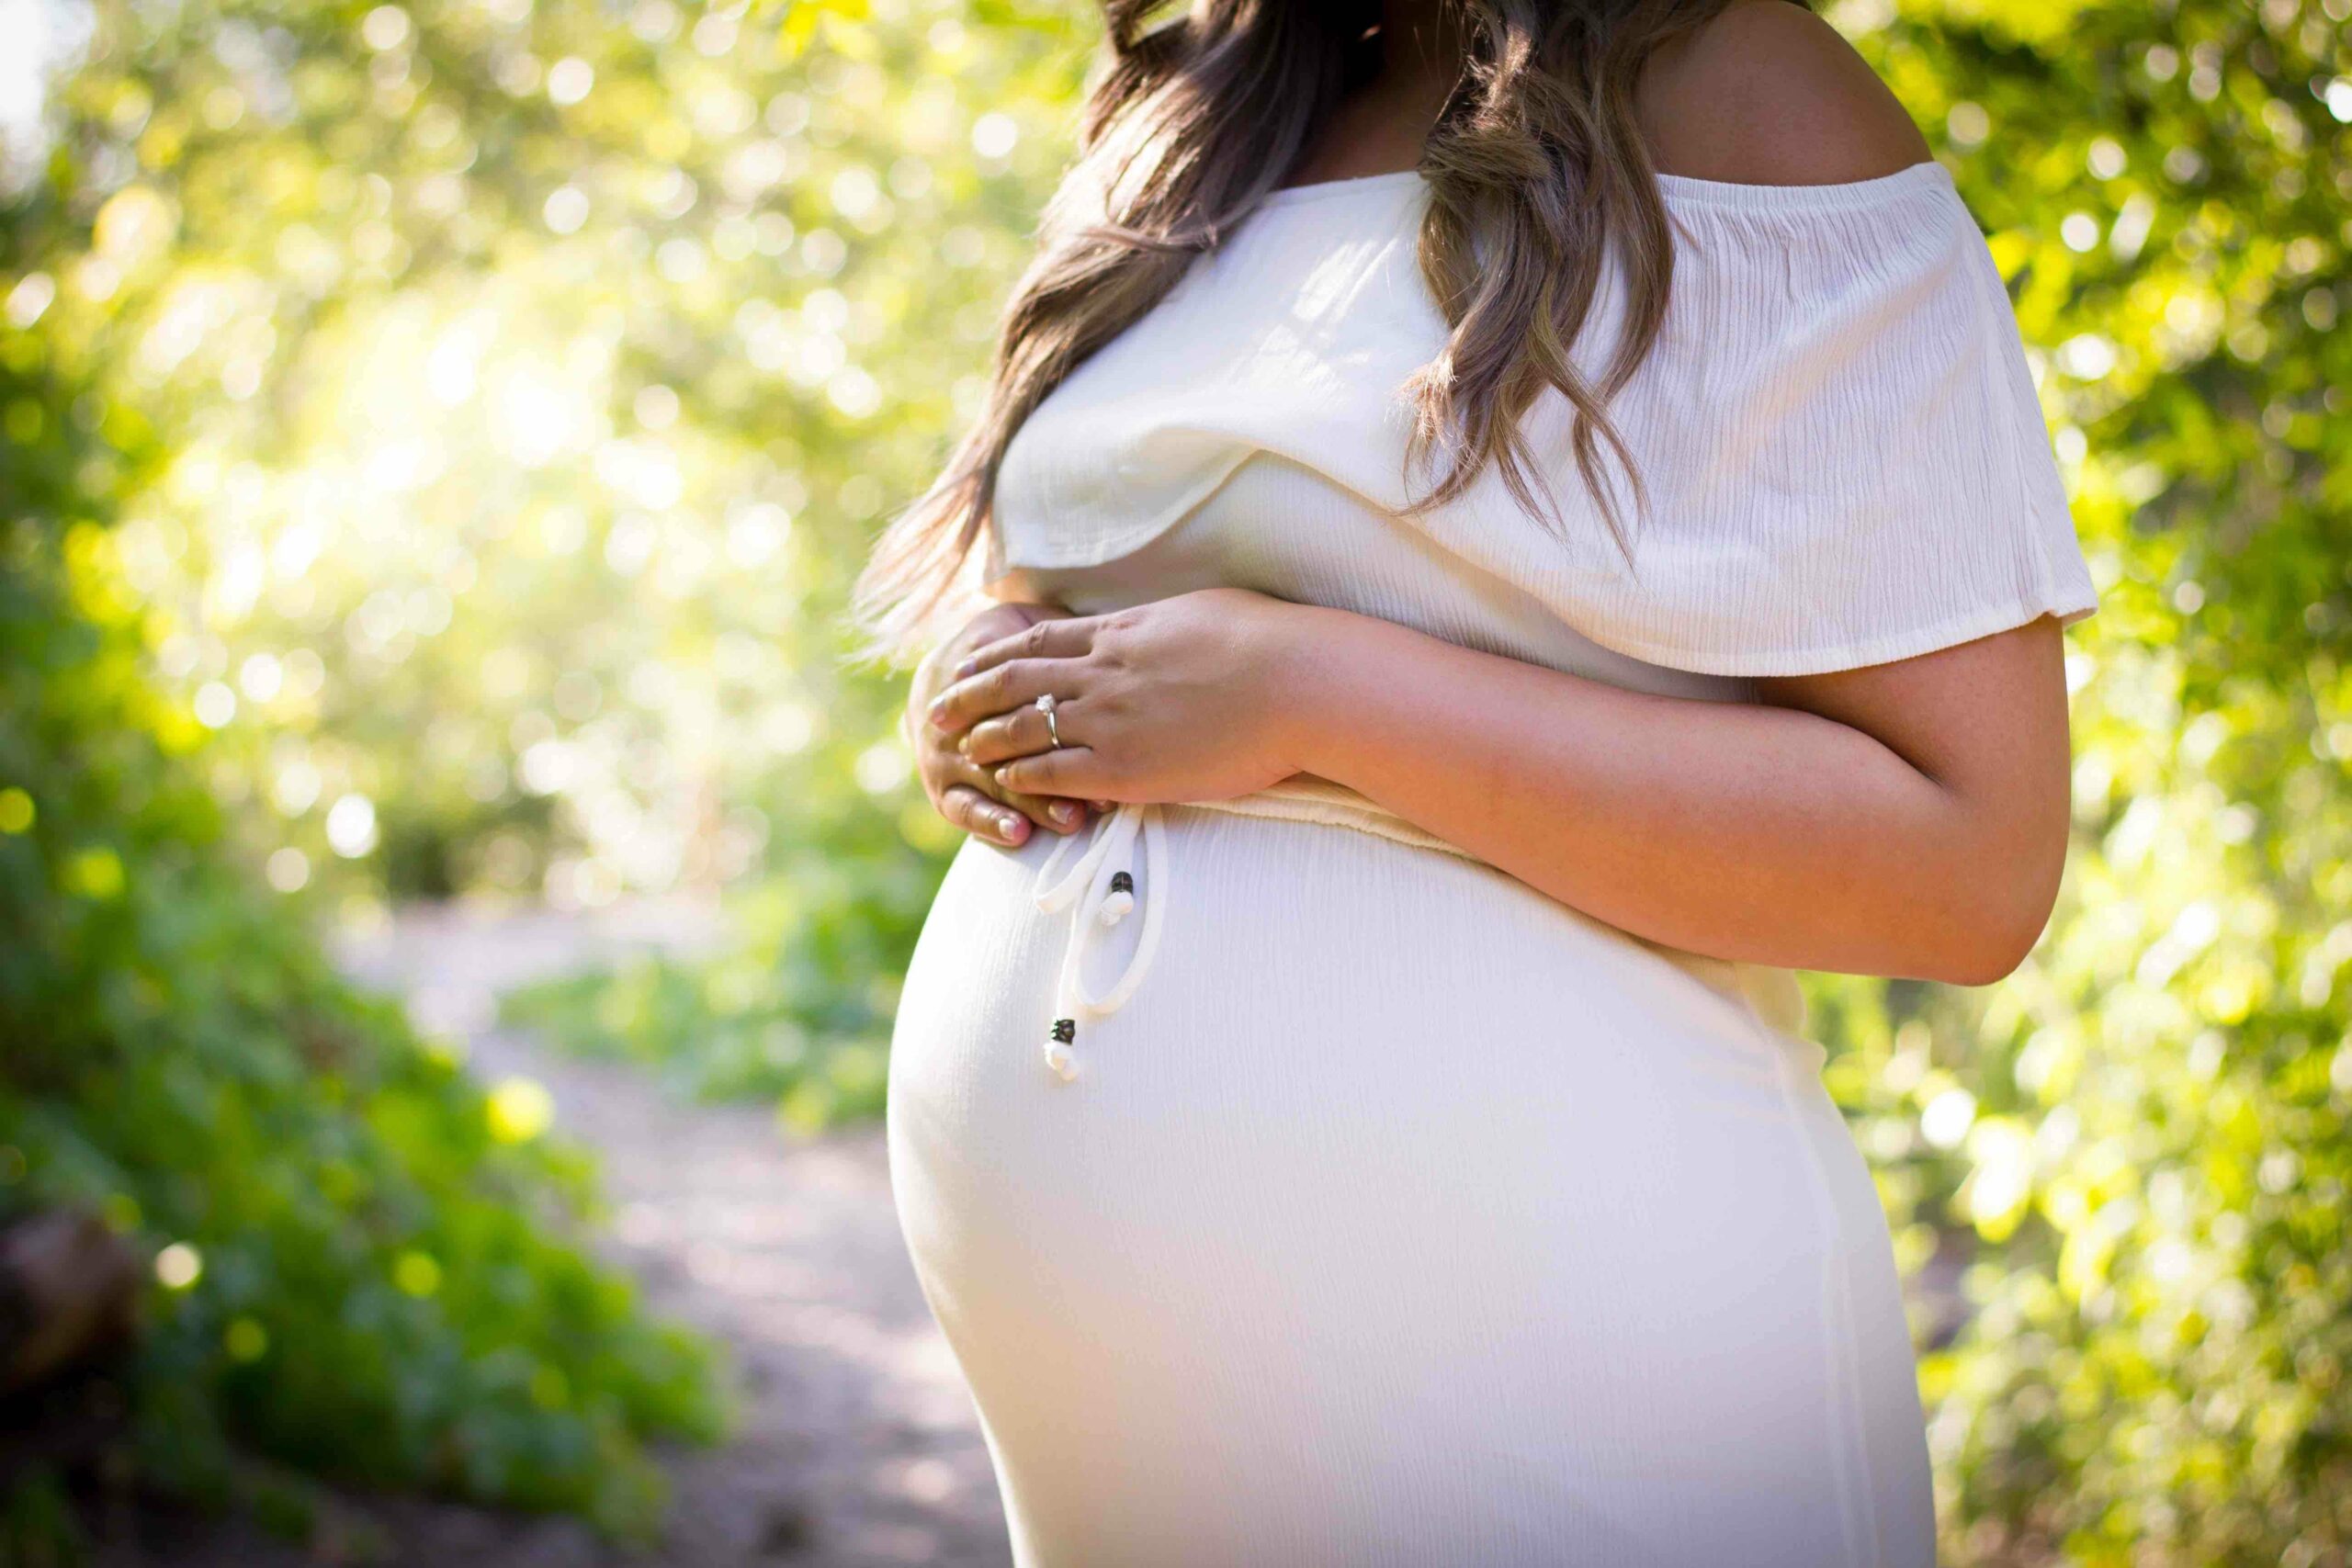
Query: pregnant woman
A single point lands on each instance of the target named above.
(1511, 527)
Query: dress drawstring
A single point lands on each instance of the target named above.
(1102, 884)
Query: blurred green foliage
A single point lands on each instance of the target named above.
(364, 1265)
(516, 389)
(534, 377)
(798, 1008)
(2139, 1140)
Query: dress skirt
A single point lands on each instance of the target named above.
(1400, 1216)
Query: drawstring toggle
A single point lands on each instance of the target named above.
(1058, 1046)
(1104, 895)
(1121, 899)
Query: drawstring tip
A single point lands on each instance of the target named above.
(1104, 894)
(1120, 900)
(1057, 1051)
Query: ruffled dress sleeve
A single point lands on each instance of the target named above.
(1845, 458)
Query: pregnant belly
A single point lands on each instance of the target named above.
(1386, 1143)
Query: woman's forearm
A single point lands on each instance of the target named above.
(1746, 831)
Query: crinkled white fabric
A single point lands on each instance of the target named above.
(1844, 459)
(1380, 1210)
(1402, 1217)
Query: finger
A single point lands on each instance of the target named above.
(988, 627)
(1062, 816)
(993, 625)
(1016, 734)
(935, 672)
(1065, 638)
(1073, 770)
(974, 812)
(1000, 689)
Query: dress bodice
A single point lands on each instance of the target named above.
(1841, 457)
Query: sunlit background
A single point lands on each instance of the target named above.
(438, 442)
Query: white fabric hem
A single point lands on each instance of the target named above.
(1819, 661)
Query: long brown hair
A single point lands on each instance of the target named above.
(1536, 157)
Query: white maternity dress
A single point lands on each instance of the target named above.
(1391, 1212)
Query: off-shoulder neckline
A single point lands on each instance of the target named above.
(1679, 188)
(1790, 198)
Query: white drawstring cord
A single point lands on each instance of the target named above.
(1102, 884)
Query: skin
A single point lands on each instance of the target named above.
(1379, 127)
(1907, 818)
(963, 791)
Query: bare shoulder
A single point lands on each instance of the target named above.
(1769, 94)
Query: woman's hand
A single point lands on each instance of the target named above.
(1189, 698)
(963, 791)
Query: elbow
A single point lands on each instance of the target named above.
(1992, 934)
(1985, 957)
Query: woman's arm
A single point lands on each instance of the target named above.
(1907, 818)
(1904, 820)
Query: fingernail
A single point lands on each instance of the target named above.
(938, 715)
(963, 744)
(966, 666)
(1011, 827)
(1063, 811)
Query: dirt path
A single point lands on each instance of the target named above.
(857, 1444)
